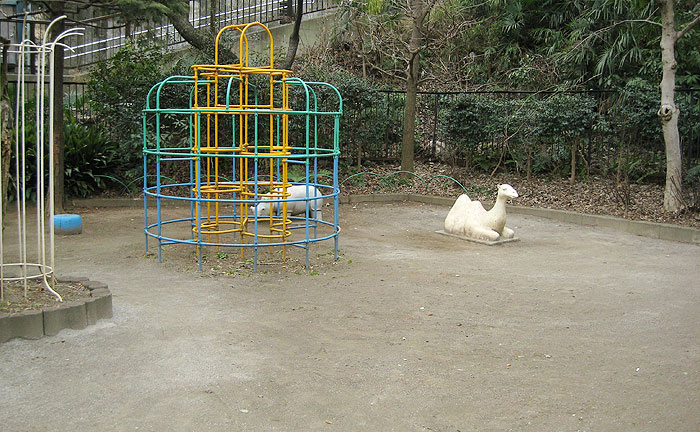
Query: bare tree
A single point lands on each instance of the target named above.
(418, 12)
(393, 36)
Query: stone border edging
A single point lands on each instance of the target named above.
(76, 315)
(640, 228)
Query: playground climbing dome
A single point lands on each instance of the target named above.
(250, 135)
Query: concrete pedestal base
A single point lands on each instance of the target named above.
(486, 242)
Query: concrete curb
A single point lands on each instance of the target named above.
(644, 229)
(50, 321)
(124, 202)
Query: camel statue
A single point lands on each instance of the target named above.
(469, 218)
(296, 205)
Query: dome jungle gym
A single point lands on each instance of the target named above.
(250, 135)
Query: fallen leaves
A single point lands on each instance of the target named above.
(596, 195)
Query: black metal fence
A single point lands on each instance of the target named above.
(372, 129)
(374, 132)
(74, 96)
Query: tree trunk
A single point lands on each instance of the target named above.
(572, 178)
(6, 126)
(294, 37)
(412, 76)
(359, 156)
(128, 30)
(201, 39)
(288, 11)
(6, 130)
(618, 172)
(669, 112)
(213, 18)
(59, 148)
(409, 125)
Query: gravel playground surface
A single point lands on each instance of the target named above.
(569, 329)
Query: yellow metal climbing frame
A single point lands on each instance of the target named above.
(249, 147)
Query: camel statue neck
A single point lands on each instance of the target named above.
(500, 201)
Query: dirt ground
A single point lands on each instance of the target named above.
(569, 329)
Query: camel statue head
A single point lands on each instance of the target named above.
(507, 191)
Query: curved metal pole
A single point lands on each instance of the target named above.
(52, 209)
(21, 206)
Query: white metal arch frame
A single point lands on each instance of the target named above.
(34, 264)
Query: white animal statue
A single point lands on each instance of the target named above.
(293, 207)
(469, 218)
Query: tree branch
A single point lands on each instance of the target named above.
(387, 73)
(428, 7)
(610, 27)
(688, 27)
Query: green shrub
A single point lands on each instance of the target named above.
(529, 132)
(364, 125)
(634, 132)
(522, 123)
(117, 89)
(470, 131)
(633, 117)
(89, 156)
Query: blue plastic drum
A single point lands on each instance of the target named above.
(67, 224)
